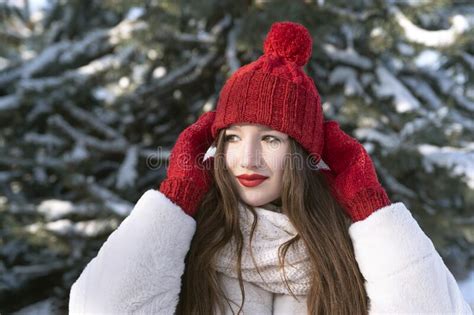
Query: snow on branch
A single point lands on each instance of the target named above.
(118, 145)
(390, 142)
(420, 123)
(201, 37)
(349, 78)
(423, 91)
(124, 30)
(390, 86)
(181, 75)
(201, 64)
(448, 87)
(460, 159)
(112, 201)
(67, 228)
(46, 140)
(348, 56)
(469, 59)
(9, 102)
(55, 209)
(231, 48)
(392, 183)
(67, 54)
(91, 120)
(440, 38)
(127, 174)
(348, 14)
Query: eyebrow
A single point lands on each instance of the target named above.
(261, 128)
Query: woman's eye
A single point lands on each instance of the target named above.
(272, 139)
(227, 138)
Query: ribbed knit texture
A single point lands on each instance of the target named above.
(188, 176)
(275, 91)
(352, 176)
(272, 230)
(183, 192)
(366, 202)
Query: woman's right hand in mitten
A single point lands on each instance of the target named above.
(188, 176)
(352, 178)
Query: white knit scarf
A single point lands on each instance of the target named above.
(272, 230)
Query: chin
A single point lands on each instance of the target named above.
(256, 203)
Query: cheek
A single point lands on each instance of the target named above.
(278, 169)
(231, 157)
(275, 158)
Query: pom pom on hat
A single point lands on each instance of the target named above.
(291, 41)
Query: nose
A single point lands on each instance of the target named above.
(251, 155)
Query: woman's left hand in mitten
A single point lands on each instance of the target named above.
(352, 177)
(189, 176)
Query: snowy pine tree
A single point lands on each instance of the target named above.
(94, 93)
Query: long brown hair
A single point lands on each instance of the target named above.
(337, 284)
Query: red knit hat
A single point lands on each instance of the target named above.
(275, 91)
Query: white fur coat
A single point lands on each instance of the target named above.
(139, 267)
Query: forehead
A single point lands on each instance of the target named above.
(249, 125)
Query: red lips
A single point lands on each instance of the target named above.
(251, 180)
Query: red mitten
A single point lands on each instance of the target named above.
(188, 177)
(352, 177)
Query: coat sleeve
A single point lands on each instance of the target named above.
(138, 269)
(403, 271)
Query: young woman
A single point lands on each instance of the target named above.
(260, 227)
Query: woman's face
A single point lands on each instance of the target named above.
(254, 149)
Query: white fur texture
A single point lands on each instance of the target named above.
(139, 267)
(404, 272)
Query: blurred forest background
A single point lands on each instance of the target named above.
(90, 90)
